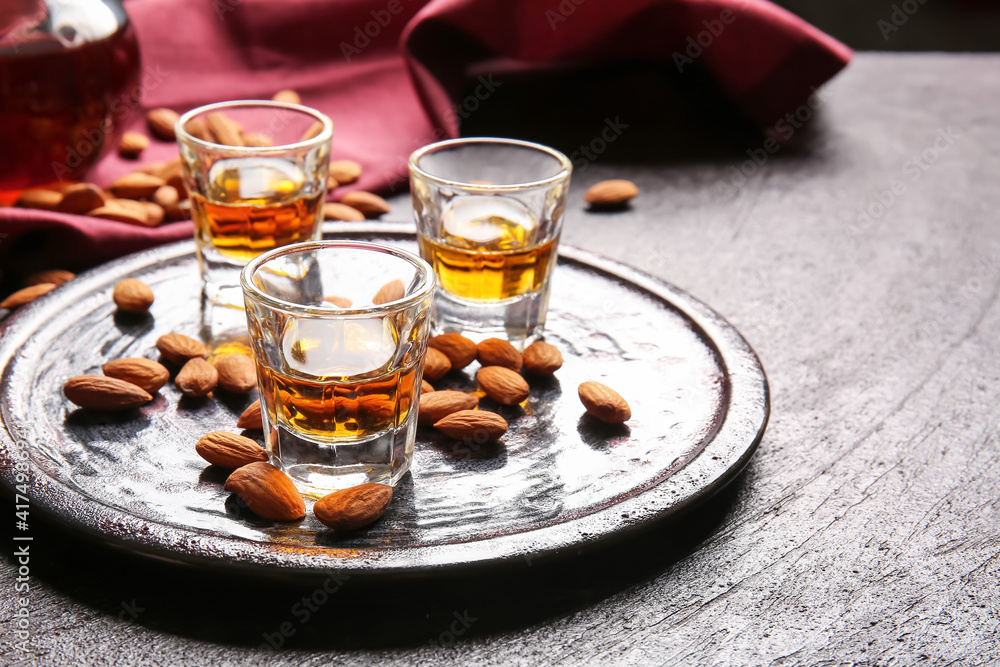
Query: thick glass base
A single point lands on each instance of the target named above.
(520, 320)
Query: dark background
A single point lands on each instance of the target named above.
(936, 25)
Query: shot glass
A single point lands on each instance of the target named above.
(489, 213)
(339, 332)
(256, 172)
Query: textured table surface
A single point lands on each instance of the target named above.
(866, 530)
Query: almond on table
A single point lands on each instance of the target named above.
(367, 202)
(267, 491)
(99, 392)
(460, 350)
(615, 192)
(25, 296)
(132, 296)
(475, 425)
(229, 450)
(353, 508)
(437, 405)
(436, 365)
(143, 373)
(503, 385)
(178, 348)
(541, 358)
(604, 403)
(498, 352)
(197, 378)
(237, 373)
(251, 417)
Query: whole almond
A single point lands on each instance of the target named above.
(178, 348)
(197, 378)
(45, 200)
(154, 213)
(132, 296)
(131, 144)
(82, 198)
(334, 211)
(345, 171)
(314, 131)
(475, 425)
(610, 193)
(257, 139)
(198, 128)
(223, 129)
(391, 291)
(439, 404)
(425, 387)
(331, 183)
(54, 276)
(229, 450)
(25, 296)
(604, 403)
(436, 365)
(542, 358)
(502, 385)
(237, 373)
(267, 491)
(287, 96)
(166, 196)
(460, 350)
(162, 122)
(99, 392)
(498, 352)
(368, 203)
(136, 185)
(143, 373)
(122, 210)
(251, 417)
(353, 508)
(338, 301)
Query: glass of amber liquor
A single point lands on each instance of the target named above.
(339, 331)
(489, 213)
(256, 172)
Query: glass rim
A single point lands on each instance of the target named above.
(326, 134)
(425, 288)
(564, 172)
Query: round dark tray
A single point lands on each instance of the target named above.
(558, 481)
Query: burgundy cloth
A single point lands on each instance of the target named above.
(387, 72)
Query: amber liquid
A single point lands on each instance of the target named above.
(255, 204)
(327, 389)
(488, 252)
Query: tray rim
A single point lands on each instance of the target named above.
(745, 377)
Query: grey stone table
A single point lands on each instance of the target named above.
(863, 263)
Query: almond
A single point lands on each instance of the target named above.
(251, 417)
(132, 296)
(439, 404)
(604, 403)
(391, 291)
(334, 211)
(267, 491)
(331, 183)
(345, 171)
(178, 348)
(353, 508)
(223, 129)
(143, 373)
(257, 139)
(237, 373)
(132, 144)
(229, 450)
(154, 213)
(197, 378)
(54, 276)
(338, 301)
(542, 358)
(82, 198)
(182, 211)
(314, 131)
(498, 352)
(162, 123)
(287, 96)
(136, 185)
(368, 203)
(122, 210)
(436, 365)
(25, 296)
(610, 193)
(502, 385)
(166, 196)
(425, 387)
(45, 200)
(475, 425)
(460, 350)
(198, 128)
(98, 392)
